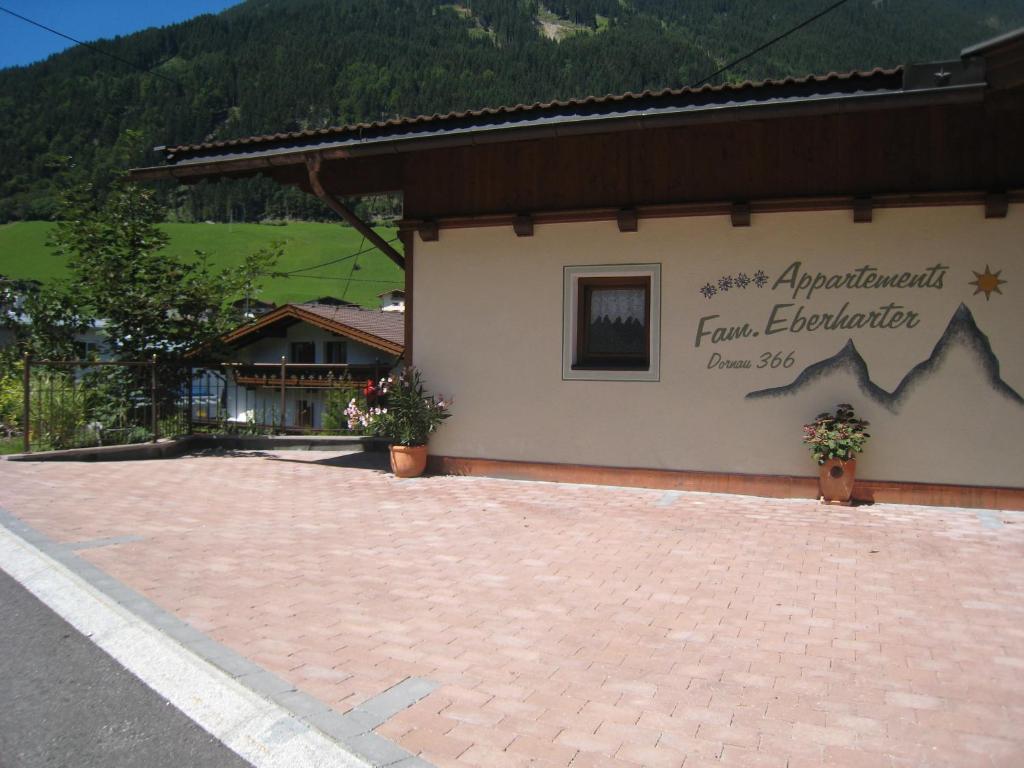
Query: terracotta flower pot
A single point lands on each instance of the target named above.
(408, 460)
(836, 479)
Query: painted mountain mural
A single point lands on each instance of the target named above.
(961, 334)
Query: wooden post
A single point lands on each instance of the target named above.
(152, 399)
(408, 237)
(191, 380)
(26, 411)
(284, 372)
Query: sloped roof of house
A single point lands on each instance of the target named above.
(830, 87)
(381, 330)
(831, 92)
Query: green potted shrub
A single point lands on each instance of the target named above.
(834, 440)
(406, 416)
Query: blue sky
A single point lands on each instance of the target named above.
(87, 20)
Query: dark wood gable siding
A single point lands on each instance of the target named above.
(925, 149)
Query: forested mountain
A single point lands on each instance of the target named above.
(272, 65)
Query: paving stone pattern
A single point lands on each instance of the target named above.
(571, 625)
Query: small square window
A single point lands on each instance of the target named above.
(303, 352)
(611, 322)
(614, 323)
(335, 352)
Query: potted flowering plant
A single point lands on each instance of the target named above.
(405, 415)
(834, 441)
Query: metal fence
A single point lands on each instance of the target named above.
(85, 403)
(260, 398)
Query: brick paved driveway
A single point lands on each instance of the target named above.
(578, 626)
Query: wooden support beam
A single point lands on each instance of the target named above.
(863, 210)
(428, 231)
(523, 225)
(627, 220)
(408, 238)
(996, 205)
(313, 169)
(740, 214)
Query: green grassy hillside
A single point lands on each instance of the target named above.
(24, 254)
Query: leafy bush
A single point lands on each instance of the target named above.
(836, 436)
(336, 403)
(407, 414)
(118, 397)
(10, 445)
(11, 396)
(58, 412)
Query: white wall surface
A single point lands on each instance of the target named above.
(488, 331)
(269, 350)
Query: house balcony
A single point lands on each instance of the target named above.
(304, 375)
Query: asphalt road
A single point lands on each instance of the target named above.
(64, 703)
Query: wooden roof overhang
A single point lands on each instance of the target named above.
(911, 135)
(290, 314)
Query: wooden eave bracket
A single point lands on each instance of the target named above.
(522, 225)
(313, 162)
(627, 220)
(429, 231)
(863, 210)
(740, 214)
(996, 205)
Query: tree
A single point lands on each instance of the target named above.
(152, 301)
(42, 319)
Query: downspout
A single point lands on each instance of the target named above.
(313, 169)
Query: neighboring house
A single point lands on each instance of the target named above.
(250, 308)
(333, 301)
(392, 301)
(661, 288)
(13, 294)
(322, 346)
(92, 343)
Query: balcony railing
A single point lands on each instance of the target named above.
(303, 375)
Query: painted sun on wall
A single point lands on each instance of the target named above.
(794, 317)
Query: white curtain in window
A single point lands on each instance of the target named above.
(622, 304)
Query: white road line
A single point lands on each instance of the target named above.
(256, 729)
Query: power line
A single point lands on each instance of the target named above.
(91, 47)
(338, 260)
(771, 42)
(355, 266)
(351, 279)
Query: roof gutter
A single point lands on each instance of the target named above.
(313, 163)
(556, 127)
(986, 46)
